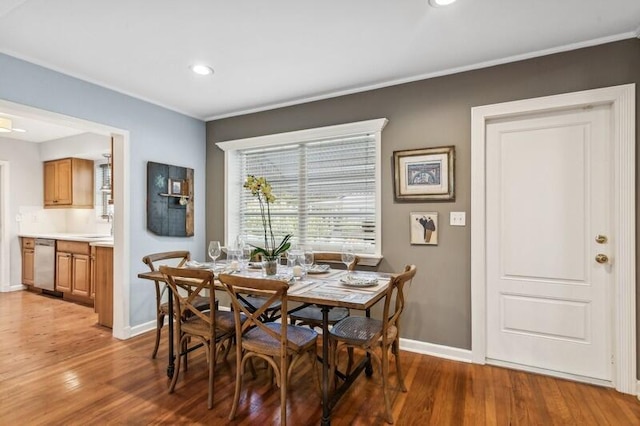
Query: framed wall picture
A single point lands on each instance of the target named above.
(424, 228)
(175, 186)
(170, 205)
(424, 174)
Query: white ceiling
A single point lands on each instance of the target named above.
(281, 52)
(37, 129)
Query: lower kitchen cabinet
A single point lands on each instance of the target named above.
(103, 283)
(73, 270)
(28, 258)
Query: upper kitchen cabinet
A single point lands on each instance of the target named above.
(68, 182)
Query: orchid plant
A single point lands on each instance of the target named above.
(261, 189)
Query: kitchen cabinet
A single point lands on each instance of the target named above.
(73, 270)
(68, 182)
(28, 257)
(103, 261)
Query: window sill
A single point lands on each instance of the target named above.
(369, 260)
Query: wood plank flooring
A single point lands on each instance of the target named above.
(57, 366)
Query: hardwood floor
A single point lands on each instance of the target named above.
(57, 366)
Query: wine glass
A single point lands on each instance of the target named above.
(348, 256)
(246, 255)
(214, 251)
(308, 259)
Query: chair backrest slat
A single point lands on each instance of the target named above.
(274, 290)
(197, 281)
(333, 257)
(396, 288)
(180, 257)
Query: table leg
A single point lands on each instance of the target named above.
(326, 410)
(171, 366)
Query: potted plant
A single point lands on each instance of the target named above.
(261, 189)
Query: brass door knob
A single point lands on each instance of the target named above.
(601, 239)
(602, 258)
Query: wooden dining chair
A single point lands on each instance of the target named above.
(312, 315)
(210, 327)
(170, 258)
(273, 311)
(369, 334)
(281, 345)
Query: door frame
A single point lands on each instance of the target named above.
(623, 238)
(5, 222)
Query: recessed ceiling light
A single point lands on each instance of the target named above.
(6, 126)
(201, 69)
(438, 3)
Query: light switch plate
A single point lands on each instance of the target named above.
(457, 218)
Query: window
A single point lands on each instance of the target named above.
(326, 182)
(102, 196)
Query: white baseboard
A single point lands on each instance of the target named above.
(447, 352)
(8, 288)
(141, 328)
(136, 330)
(638, 389)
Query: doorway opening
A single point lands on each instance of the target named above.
(121, 212)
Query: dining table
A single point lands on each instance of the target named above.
(329, 288)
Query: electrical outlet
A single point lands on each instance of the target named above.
(457, 218)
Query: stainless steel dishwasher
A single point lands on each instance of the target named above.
(44, 264)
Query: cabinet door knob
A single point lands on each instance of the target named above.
(602, 258)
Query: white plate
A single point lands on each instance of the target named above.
(359, 282)
(198, 265)
(318, 269)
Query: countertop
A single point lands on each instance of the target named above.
(94, 239)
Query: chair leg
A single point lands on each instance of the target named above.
(396, 352)
(228, 343)
(313, 357)
(333, 363)
(283, 388)
(184, 351)
(350, 362)
(176, 372)
(239, 373)
(212, 365)
(385, 384)
(159, 325)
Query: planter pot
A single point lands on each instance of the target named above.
(270, 267)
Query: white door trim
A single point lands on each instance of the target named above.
(622, 101)
(5, 221)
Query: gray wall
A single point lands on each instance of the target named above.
(156, 134)
(429, 113)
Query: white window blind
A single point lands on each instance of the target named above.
(327, 184)
(325, 192)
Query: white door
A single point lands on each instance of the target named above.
(548, 189)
